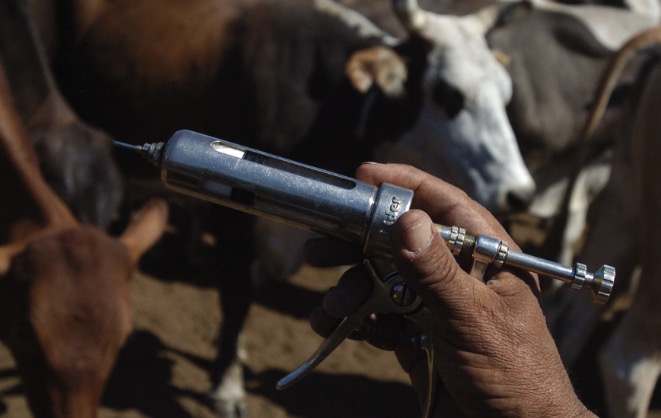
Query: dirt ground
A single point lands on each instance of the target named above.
(162, 372)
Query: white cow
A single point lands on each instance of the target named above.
(547, 116)
(462, 132)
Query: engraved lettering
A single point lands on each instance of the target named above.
(392, 213)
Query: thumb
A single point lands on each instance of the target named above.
(427, 265)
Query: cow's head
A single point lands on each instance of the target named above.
(66, 311)
(76, 161)
(462, 132)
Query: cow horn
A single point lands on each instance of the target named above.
(354, 20)
(501, 12)
(409, 14)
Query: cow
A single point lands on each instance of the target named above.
(630, 360)
(620, 231)
(585, 37)
(64, 302)
(554, 54)
(555, 68)
(224, 77)
(272, 75)
(75, 158)
(550, 100)
(551, 103)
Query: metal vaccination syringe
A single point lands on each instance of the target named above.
(328, 203)
(333, 205)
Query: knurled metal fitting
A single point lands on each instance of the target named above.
(456, 241)
(580, 273)
(503, 250)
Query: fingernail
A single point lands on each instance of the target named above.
(369, 163)
(418, 236)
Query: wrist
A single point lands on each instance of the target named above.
(565, 403)
(577, 410)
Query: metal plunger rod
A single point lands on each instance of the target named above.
(492, 251)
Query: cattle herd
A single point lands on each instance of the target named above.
(494, 96)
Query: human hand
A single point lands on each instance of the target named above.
(494, 353)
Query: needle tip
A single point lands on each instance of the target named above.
(127, 145)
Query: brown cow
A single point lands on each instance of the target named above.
(64, 302)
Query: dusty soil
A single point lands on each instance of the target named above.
(162, 372)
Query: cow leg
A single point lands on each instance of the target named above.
(630, 362)
(228, 395)
(235, 286)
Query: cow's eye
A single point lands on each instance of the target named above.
(447, 97)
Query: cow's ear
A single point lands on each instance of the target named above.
(377, 66)
(145, 228)
(7, 253)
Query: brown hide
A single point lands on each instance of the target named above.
(143, 57)
(64, 304)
